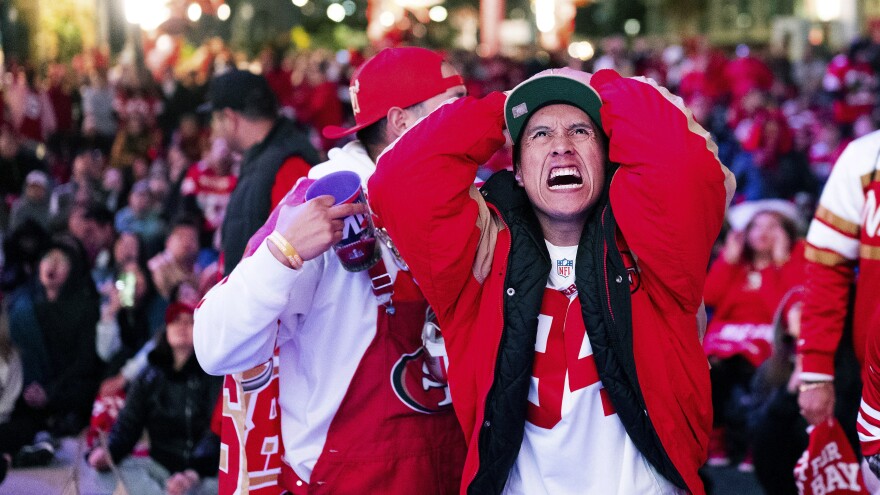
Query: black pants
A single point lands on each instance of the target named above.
(730, 389)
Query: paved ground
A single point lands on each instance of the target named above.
(56, 479)
(53, 479)
(729, 481)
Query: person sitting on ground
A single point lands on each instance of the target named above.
(173, 399)
(10, 390)
(52, 322)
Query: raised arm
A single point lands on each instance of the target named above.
(671, 191)
(423, 192)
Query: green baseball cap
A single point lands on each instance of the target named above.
(537, 92)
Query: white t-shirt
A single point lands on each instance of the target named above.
(574, 442)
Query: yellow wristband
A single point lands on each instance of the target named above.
(296, 261)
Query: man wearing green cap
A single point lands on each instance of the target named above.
(570, 288)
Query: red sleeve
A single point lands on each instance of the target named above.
(422, 187)
(868, 424)
(670, 192)
(826, 300)
(291, 170)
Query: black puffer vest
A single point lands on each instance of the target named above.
(251, 201)
(605, 302)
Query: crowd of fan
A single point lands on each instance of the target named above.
(112, 192)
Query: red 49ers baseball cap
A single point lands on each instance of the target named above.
(395, 77)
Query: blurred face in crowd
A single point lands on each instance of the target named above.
(183, 244)
(140, 202)
(36, 193)
(136, 126)
(189, 126)
(140, 168)
(159, 188)
(113, 180)
(77, 224)
(561, 164)
(8, 144)
(179, 332)
(763, 232)
(126, 249)
(54, 269)
(88, 166)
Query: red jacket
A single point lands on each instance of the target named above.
(668, 197)
(843, 242)
(745, 302)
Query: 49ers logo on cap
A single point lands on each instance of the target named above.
(353, 90)
(416, 388)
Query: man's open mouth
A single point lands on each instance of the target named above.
(564, 178)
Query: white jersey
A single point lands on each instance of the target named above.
(320, 341)
(573, 442)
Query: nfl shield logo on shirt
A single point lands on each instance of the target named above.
(564, 267)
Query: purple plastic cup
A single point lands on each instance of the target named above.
(357, 250)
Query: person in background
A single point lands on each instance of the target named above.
(141, 217)
(98, 121)
(30, 108)
(777, 430)
(52, 323)
(22, 250)
(176, 263)
(209, 184)
(11, 377)
(743, 290)
(276, 153)
(34, 202)
(130, 296)
(172, 399)
(16, 162)
(84, 187)
(132, 141)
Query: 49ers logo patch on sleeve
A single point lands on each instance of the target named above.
(414, 385)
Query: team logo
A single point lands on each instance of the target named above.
(564, 267)
(353, 90)
(414, 385)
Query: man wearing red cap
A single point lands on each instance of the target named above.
(336, 356)
(569, 300)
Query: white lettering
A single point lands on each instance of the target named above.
(851, 471)
(352, 225)
(818, 486)
(834, 481)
